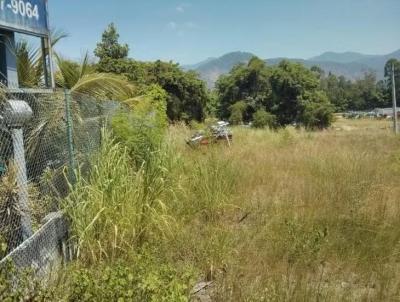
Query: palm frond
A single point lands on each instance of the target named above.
(68, 73)
(29, 64)
(80, 78)
(2, 92)
(57, 35)
(103, 86)
(30, 60)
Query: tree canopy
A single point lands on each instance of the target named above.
(109, 47)
(388, 76)
(187, 95)
(289, 92)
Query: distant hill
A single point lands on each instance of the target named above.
(211, 69)
(344, 57)
(352, 65)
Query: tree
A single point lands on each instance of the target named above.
(338, 90)
(187, 94)
(248, 82)
(109, 47)
(187, 97)
(320, 73)
(290, 82)
(388, 77)
(83, 78)
(85, 84)
(30, 61)
(279, 92)
(361, 94)
(366, 94)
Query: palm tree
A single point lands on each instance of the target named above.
(87, 89)
(30, 61)
(83, 79)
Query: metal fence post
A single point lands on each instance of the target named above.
(22, 182)
(70, 144)
(16, 114)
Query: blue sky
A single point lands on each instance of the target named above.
(193, 30)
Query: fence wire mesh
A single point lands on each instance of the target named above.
(44, 136)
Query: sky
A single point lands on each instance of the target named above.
(191, 31)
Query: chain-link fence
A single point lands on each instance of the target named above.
(44, 136)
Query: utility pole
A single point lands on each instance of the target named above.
(394, 102)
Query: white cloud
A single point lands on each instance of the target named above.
(181, 28)
(172, 25)
(190, 25)
(180, 8)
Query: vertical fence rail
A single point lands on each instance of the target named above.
(70, 142)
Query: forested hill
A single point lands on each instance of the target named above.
(352, 65)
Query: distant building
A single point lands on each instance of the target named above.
(388, 112)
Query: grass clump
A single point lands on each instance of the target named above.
(118, 206)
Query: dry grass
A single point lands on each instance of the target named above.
(292, 215)
(280, 216)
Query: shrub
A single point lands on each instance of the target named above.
(142, 128)
(23, 285)
(317, 111)
(263, 119)
(237, 110)
(141, 279)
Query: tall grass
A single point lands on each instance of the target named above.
(118, 206)
(284, 215)
(309, 216)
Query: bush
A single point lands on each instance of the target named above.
(263, 119)
(237, 110)
(140, 279)
(317, 111)
(142, 128)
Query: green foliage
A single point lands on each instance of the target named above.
(278, 90)
(317, 111)
(82, 78)
(211, 109)
(30, 70)
(362, 94)
(30, 61)
(303, 242)
(339, 91)
(211, 185)
(119, 206)
(142, 129)
(109, 46)
(187, 94)
(10, 213)
(143, 278)
(237, 110)
(245, 82)
(290, 82)
(22, 285)
(388, 78)
(263, 119)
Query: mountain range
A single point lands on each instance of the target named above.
(352, 65)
